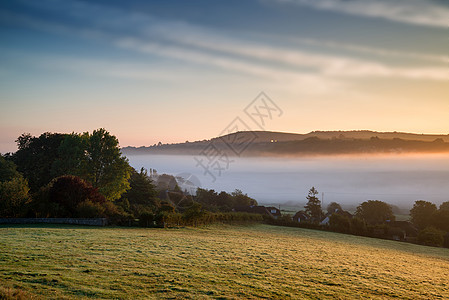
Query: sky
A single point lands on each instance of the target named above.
(176, 70)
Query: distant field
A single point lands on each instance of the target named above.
(222, 262)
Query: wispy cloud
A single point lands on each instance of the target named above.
(418, 12)
(332, 65)
(317, 83)
(206, 47)
(381, 52)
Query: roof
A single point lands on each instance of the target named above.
(301, 215)
(261, 210)
(274, 211)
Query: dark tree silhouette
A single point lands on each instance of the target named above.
(94, 157)
(340, 223)
(333, 207)
(313, 206)
(36, 156)
(431, 236)
(69, 191)
(444, 206)
(375, 212)
(106, 168)
(13, 190)
(8, 170)
(241, 199)
(422, 213)
(142, 196)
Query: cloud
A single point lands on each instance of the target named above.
(332, 65)
(417, 12)
(317, 83)
(381, 52)
(205, 47)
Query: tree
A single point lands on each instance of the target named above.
(375, 212)
(13, 196)
(193, 214)
(340, 223)
(35, 157)
(142, 195)
(441, 219)
(94, 157)
(106, 168)
(422, 213)
(165, 210)
(224, 201)
(72, 158)
(358, 226)
(431, 236)
(444, 206)
(313, 206)
(8, 170)
(207, 198)
(13, 190)
(69, 192)
(333, 207)
(241, 199)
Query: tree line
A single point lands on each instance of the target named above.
(428, 224)
(85, 175)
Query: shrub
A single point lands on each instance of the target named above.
(431, 236)
(13, 196)
(358, 226)
(378, 231)
(69, 192)
(89, 209)
(146, 219)
(339, 223)
(193, 214)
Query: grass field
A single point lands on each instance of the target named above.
(224, 262)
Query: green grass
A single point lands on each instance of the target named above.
(258, 261)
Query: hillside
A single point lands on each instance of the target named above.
(267, 143)
(225, 262)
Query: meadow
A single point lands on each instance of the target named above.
(218, 262)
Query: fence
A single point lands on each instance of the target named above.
(75, 221)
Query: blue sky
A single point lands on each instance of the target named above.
(172, 71)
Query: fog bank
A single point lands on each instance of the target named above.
(349, 180)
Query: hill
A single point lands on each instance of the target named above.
(267, 143)
(258, 261)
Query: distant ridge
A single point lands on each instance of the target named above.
(269, 143)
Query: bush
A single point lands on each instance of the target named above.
(147, 219)
(13, 196)
(89, 209)
(431, 236)
(194, 214)
(339, 223)
(63, 196)
(72, 190)
(358, 226)
(72, 197)
(378, 231)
